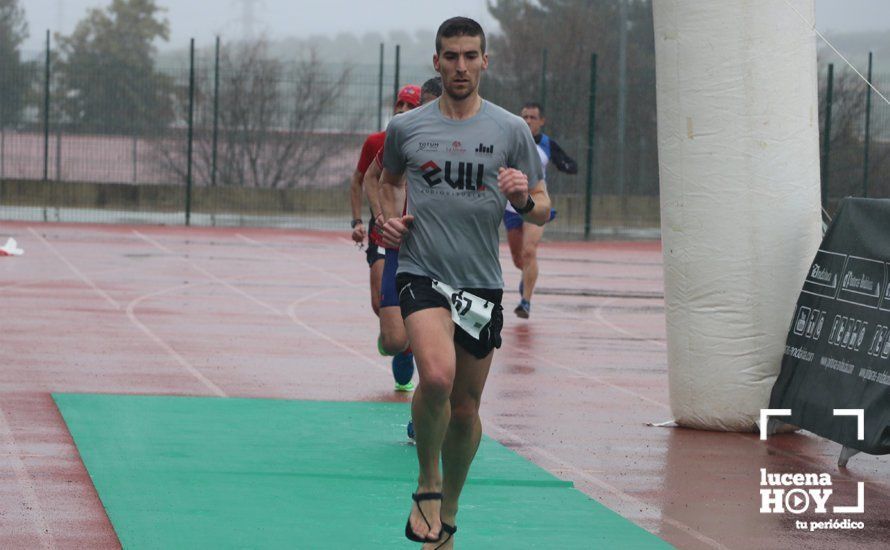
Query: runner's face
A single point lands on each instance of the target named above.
(461, 63)
(401, 107)
(533, 118)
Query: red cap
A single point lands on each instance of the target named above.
(410, 94)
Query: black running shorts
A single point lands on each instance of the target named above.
(375, 252)
(417, 293)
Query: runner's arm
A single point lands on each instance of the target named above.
(540, 214)
(392, 194)
(355, 200)
(372, 186)
(392, 198)
(561, 160)
(513, 184)
(355, 195)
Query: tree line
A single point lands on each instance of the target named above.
(106, 81)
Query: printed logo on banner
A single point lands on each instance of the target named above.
(862, 282)
(847, 332)
(885, 303)
(824, 275)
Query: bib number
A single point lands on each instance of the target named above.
(468, 311)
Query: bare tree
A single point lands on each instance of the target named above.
(272, 121)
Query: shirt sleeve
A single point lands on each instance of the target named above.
(393, 157)
(561, 160)
(366, 156)
(524, 155)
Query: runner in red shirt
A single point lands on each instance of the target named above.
(393, 339)
(408, 98)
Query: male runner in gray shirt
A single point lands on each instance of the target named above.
(465, 158)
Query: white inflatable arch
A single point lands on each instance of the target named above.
(738, 137)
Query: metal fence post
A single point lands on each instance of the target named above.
(395, 90)
(544, 80)
(215, 114)
(591, 121)
(867, 129)
(380, 91)
(826, 138)
(46, 114)
(188, 177)
(622, 100)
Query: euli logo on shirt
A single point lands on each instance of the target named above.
(459, 175)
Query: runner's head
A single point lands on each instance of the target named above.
(408, 98)
(533, 115)
(430, 90)
(460, 56)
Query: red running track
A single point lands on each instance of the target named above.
(285, 314)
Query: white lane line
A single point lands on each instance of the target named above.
(595, 378)
(297, 259)
(114, 303)
(180, 360)
(600, 315)
(26, 484)
(291, 310)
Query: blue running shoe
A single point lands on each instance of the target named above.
(411, 430)
(403, 371)
(523, 309)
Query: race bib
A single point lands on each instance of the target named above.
(468, 311)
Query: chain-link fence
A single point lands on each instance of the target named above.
(854, 136)
(235, 137)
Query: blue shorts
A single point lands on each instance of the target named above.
(512, 220)
(389, 296)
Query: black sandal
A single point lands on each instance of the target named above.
(450, 530)
(418, 497)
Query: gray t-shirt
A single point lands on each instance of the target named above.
(453, 191)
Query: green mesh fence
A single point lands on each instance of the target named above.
(274, 143)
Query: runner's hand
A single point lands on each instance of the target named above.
(359, 233)
(396, 228)
(514, 185)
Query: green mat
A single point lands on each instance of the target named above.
(189, 472)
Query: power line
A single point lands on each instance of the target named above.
(835, 50)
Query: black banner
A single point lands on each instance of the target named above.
(837, 355)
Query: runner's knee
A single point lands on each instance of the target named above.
(464, 413)
(436, 384)
(529, 254)
(393, 344)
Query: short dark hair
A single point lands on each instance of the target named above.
(459, 26)
(432, 86)
(534, 105)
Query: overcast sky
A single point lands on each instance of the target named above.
(203, 19)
